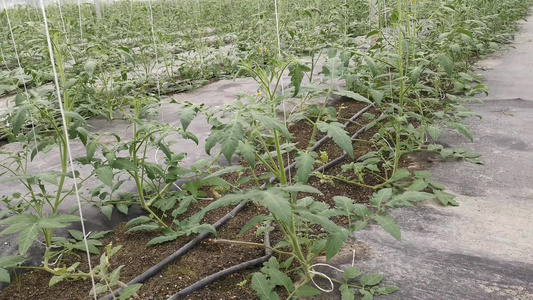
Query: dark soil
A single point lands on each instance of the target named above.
(206, 259)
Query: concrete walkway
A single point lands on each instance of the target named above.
(482, 249)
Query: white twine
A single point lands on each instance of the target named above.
(63, 119)
(282, 86)
(324, 276)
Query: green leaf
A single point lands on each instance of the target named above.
(334, 244)
(298, 187)
(463, 129)
(20, 219)
(445, 198)
(276, 202)
(12, 261)
(306, 291)
(279, 278)
(345, 204)
(121, 163)
(353, 95)
(305, 162)
(129, 291)
(89, 67)
(371, 279)
(162, 239)
(297, 72)
(372, 66)
(366, 295)
(351, 273)
(137, 221)
(247, 151)
(186, 115)
(389, 225)
(385, 290)
(26, 238)
(107, 210)
(144, 227)
(271, 122)
(326, 223)
(380, 197)
(263, 287)
(446, 63)
(19, 119)
(434, 132)
(336, 131)
(105, 174)
(418, 185)
(415, 75)
(400, 174)
(252, 222)
(4, 276)
(230, 140)
(55, 279)
(333, 68)
(347, 293)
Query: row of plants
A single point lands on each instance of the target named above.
(163, 46)
(416, 75)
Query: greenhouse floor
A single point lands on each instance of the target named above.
(482, 249)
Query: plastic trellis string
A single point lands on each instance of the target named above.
(193, 243)
(63, 119)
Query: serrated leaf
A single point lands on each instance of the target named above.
(307, 291)
(400, 174)
(336, 131)
(445, 198)
(305, 162)
(26, 238)
(280, 278)
(345, 204)
(446, 63)
(129, 291)
(19, 119)
(144, 227)
(334, 244)
(351, 273)
(107, 210)
(11, 261)
(435, 132)
(137, 221)
(298, 187)
(366, 295)
(418, 185)
(463, 129)
(230, 140)
(263, 288)
(105, 175)
(353, 95)
(297, 72)
(415, 75)
(121, 163)
(347, 293)
(252, 222)
(326, 223)
(371, 279)
(385, 290)
(333, 68)
(186, 115)
(89, 67)
(247, 151)
(276, 202)
(372, 66)
(55, 279)
(271, 122)
(389, 225)
(4, 276)
(380, 197)
(162, 239)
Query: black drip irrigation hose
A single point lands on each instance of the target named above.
(226, 272)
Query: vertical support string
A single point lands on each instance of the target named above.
(282, 83)
(63, 119)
